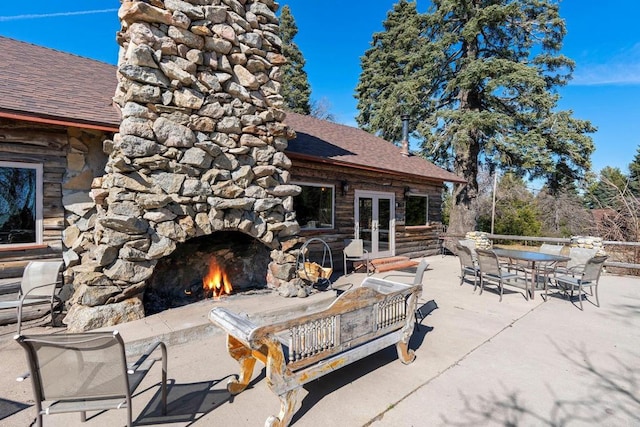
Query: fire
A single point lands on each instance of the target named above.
(216, 283)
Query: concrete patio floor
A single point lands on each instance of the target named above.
(479, 362)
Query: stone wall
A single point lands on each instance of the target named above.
(480, 239)
(589, 242)
(200, 149)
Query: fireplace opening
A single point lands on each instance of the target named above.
(204, 267)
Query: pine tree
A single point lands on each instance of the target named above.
(389, 85)
(295, 87)
(480, 79)
(605, 193)
(634, 174)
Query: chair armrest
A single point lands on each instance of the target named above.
(131, 369)
(24, 296)
(515, 266)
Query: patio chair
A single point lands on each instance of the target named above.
(546, 248)
(86, 372)
(492, 271)
(38, 286)
(579, 257)
(354, 251)
(588, 277)
(468, 265)
(549, 268)
(471, 244)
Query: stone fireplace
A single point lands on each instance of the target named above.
(197, 170)
(207, 267)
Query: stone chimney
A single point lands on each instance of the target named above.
(200, 149)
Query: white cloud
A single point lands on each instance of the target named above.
(623, 68)
(606, 74)
(54, 15)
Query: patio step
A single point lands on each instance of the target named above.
(392, 263)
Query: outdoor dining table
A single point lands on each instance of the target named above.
(535, 259)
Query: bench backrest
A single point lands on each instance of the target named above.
(359, 315)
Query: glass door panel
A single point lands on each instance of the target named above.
(365, 221)
(384, 224)
(375, 223)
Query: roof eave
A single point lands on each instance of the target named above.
(325, 160)
(58, 121)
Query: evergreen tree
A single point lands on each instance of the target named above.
(604, 193)
(479, 77)
(634, 174)
(295, 87)
(390, 84)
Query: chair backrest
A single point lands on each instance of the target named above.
(488, 262)
(40, 273)
(465, 256)
(593, 268)
(546, 248)
(580, 256)
(353, 248)
(422, 267)
(90, 365)
(471, 244)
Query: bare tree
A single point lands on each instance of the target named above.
(563, 214)
(619, 220)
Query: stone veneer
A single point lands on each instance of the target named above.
(200, 149)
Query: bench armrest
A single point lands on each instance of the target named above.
(240, 326)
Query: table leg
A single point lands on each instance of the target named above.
(534, 278)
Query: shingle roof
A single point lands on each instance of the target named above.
(40, 82)
(46, 83)
(348, 145)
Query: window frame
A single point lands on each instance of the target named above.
(333, 204)
(39, 229)
(423, 195)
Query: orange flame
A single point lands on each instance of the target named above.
(216, 283)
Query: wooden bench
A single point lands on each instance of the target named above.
(361, 321)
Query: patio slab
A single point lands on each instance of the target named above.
(479, 362)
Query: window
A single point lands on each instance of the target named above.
(314, 206)
(20, 203)
(417, 210)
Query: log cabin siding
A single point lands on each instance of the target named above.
(409, 241)
(50, 146)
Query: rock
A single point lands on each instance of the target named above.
(124, 224)
(81, 318)
(127, 271)
(105, 254)
(173, 134)
(197, 157)
(79, 203)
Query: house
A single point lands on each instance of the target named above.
(56, 112)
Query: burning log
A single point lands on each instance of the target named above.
(216, 283)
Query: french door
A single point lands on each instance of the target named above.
(375, 222)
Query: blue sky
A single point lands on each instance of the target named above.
(333, 35)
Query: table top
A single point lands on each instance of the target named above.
(529, 255)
